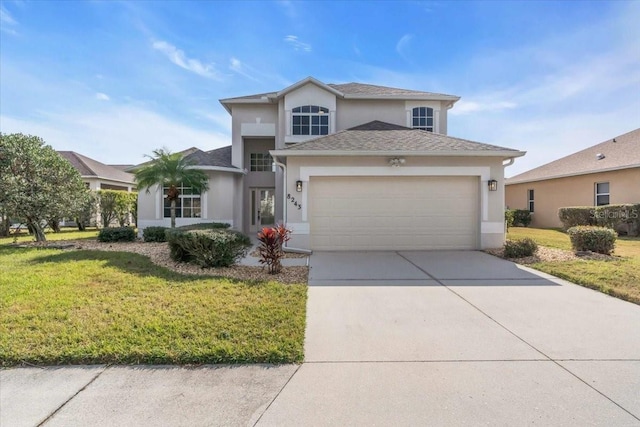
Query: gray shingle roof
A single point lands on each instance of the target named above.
(352, 89)
(93, 168)
(374, 90)
(386, 137)
(621, 154)
(220, 157)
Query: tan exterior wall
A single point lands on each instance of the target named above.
(492, 207)
(553, 194)
(217, 203)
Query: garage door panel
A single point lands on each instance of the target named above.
(371, 213)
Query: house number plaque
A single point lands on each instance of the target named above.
(293, 201)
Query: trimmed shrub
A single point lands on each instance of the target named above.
(154, 234)
(594, 239)
(117, 234)
(509, 217)
(205, 226)
(207, 248)
(270, 249)
(520, 248)
(577, 215)
(521, 217)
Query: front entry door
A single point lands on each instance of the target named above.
(263, 207)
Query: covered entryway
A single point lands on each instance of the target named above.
(394, 213)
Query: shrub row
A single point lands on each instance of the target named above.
(594, 239)
(117, 234)
(517, 217)
(618, 217)
(207, 247)
(520, 248)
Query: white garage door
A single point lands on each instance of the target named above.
(393, 213)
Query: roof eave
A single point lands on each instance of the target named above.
(303, 82)
(104, 178)
(217, 169)
(334, 153)
(568, 175)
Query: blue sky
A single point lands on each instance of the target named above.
(115, 80)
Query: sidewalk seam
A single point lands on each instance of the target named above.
(277, 394)
(51, 415)
(520, 338)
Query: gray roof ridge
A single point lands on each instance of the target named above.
(81, 158)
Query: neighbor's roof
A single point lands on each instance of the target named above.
(345, 90)
(380, 138)
(90, 168)
(621, 152)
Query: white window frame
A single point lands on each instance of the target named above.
(531, 200)
(180, 207)
(260, 162)
(429, 113)
(598, 194)
(311, 115)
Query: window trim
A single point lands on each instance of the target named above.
(531, 200)
(429, 113)
(321, 113)
(180, 206)
(596, 194)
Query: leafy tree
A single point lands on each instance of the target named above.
(87, 211)
(36, 183)
(125, 203)
(170, 170)
(107, 206)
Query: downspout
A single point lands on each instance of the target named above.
(286, 247)
(511, 160)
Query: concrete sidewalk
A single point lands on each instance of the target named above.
(410, 338)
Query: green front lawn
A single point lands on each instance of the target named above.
(619, 277)
(64, 234)
(83, 307)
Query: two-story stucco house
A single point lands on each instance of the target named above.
(350, 167)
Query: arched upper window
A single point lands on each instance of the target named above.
(422, 118)
(310, 120)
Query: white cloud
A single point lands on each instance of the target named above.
(7, 21)
(243, 69)
(6, 18)
(102, 96)
(297, 44)
(179, 58)
(402, 47)
(115, 134)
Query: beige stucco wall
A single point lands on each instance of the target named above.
(553, 194)
(217, 203)
(491, 228)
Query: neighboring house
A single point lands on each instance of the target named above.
(607, 173)
(98, 176)
(350, 166)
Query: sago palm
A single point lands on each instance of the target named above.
(170, 170)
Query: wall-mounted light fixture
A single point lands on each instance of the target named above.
(298, 186)
(493, 185)
(396, 161)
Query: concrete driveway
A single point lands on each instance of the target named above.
(393, 338)
(459, 338)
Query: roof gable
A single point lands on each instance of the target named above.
(621, 152)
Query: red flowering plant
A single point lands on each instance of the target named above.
(272, 240)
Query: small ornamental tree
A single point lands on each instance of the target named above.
(272, 240)
(36, 183)
(171, 171)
